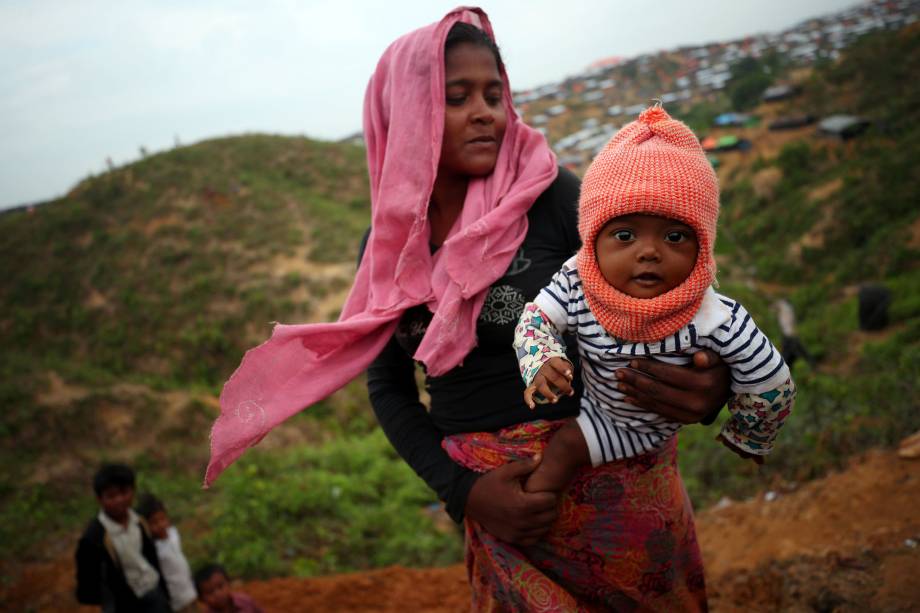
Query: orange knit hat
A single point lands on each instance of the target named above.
(654, 165)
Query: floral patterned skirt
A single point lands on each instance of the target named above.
(624, 540)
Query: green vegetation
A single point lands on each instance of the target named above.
(303, 512)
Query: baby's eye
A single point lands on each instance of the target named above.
(675, 237)
(623, 235)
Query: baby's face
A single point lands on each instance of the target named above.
(645, 256)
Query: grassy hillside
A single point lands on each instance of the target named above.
(162, 268)
(128, 303)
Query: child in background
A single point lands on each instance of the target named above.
(214, 592)
(117, 565)
(640, 286)
(173, 565)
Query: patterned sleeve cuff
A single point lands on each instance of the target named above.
(536, 340)
(757, 418)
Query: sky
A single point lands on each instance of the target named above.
(86, 80)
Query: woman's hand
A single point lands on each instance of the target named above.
(688, 395)
(499, 503)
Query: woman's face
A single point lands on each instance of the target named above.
(474, 117)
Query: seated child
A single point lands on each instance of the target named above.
(117, 565)
(213, 587)
(640, 286)
(173, 565)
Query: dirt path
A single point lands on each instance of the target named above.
(847, 542)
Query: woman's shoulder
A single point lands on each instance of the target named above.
(561, 197)
(563, 191)
(556, 210)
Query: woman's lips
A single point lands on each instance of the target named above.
(482, 141)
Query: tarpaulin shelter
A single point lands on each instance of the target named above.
(734, 119)
(843, 126)
(790, 122)
(779, 92)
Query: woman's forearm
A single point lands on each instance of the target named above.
(407, 424)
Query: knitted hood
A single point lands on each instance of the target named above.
(656, 166)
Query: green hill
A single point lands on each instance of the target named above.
(128, 302)
(168, 268)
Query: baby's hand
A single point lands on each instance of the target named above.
(553, 380)
(758, 459)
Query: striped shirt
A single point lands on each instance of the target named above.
(615, 429)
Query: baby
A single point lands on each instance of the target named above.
(641, 287)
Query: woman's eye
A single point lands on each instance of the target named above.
(623, 235)
(493, 100)
(456, 100)
(675, 237)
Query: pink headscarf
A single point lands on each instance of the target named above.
(403, 127)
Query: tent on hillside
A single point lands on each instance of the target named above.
(729, 142)
(843, 126)
(733, 119)
(790, 122)
(779, 92)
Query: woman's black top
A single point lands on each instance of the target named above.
(485, 393)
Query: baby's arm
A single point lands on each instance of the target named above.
(547, 374)
(763, 391)
(541, 356)
(756, 419)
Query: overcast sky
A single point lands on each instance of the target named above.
(82, 80)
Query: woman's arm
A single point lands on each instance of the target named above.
(495, 499)
(394, 397)
(686, 394)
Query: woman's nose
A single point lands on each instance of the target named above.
(482, 112)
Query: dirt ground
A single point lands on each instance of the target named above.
(848, 542)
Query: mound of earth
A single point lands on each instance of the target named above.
(847, 542)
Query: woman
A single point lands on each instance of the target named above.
(470, 218)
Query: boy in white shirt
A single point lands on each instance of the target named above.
(173, 565)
